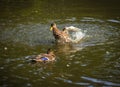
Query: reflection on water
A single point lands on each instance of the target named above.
(100, 81)
(24, 31)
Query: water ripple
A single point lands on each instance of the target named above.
(113, 20)
(100, 81)
(71, 82)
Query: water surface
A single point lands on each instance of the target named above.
(24, 31)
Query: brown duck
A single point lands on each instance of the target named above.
(61, 36)
(45, 57)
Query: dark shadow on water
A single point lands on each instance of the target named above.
(14, 11)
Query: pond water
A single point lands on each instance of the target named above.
(24, 31)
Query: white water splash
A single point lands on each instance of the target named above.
(75, 34)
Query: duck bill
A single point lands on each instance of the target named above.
(51, 28)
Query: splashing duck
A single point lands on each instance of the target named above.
(64, 36)
(45, 57)
(60, 36)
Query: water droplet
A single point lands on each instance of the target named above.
(43, 77)
(67, 65)
(1, 67)
(107, 52)
(20, 65)
(84, 65)
(29, 85)
(5, 48)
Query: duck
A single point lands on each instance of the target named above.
(45, 57)
(61, 36)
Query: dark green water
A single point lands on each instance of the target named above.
(24, 31)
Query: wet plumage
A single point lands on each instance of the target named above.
(61, 36)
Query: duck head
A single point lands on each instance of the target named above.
(50, 51)
(53, 26)
(51, 54)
